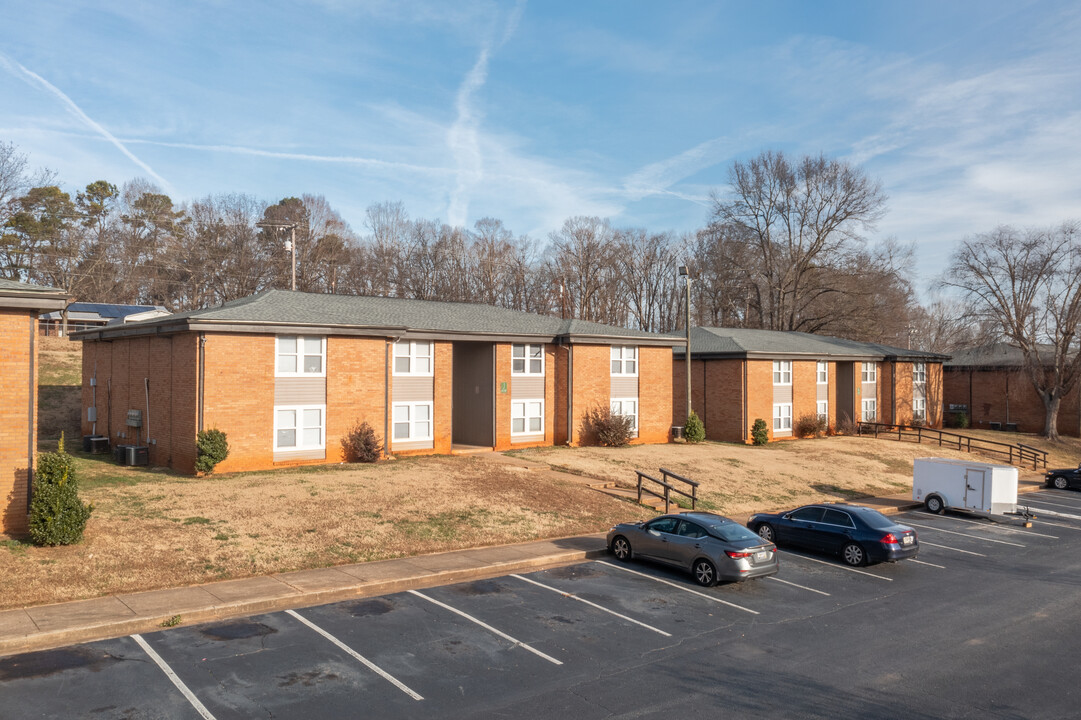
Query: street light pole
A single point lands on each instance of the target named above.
(684, 273)
(292, 227)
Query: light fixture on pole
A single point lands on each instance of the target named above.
(290, 244)
(684, 273)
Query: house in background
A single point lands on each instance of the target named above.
(19, 307)
(286, 375)
(989, 384)
(740, 375)
(87, 316)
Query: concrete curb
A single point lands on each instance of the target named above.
(51, 626)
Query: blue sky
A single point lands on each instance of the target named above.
(968, 112)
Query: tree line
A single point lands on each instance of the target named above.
(785, 246)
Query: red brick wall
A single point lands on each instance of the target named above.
(716, 395)
(552, 373)
(831, 393)
(355, 383)
(989, 400)
(759, 394)
(886, 390)
(502, 400)
(238, 397)
(592, 378)
(18, 416)
(804, 391)
(443, 401)
(654, 394)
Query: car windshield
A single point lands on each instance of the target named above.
(875, 519)
(731, 532)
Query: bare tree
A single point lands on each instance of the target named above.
(1026, 283)
(580, 260)
(800, 217)
(646, 265)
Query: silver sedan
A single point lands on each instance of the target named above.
(711, 547)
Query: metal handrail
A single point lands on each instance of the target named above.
(1019, 454)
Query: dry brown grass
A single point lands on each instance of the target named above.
(153, 529)
(60, 367)
(738, 480)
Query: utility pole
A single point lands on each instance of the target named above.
(685, 273)
(292, 243)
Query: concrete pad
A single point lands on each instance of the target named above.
(498, 555)
(16, 623)
(80, 613)
(249, 590)
(446, 562)
(385, 570)
(165, 603)
(319, 580)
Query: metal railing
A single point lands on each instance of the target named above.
(668, 488)
(1018, 454)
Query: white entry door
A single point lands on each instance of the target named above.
(974, 489)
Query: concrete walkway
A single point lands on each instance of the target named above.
(50, 626)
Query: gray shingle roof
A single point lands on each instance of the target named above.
(23, 295)
(994, 355)
(282, 307)
(14, 286)
(741, 342)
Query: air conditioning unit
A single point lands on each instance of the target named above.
(137, 455)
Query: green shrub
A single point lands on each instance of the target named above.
(694, 431)
(361, 444)
(212, 447)
(811, 425)
(960, 420)
(760, 432)
(57, 515)
(608, 429)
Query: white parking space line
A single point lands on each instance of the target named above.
(974, 537)
(801, 587)
(1041, 521)
(489, 628)
(357, 656)
(994, 526)
(947, 547)
(572, 596)
(839, 567)
(199, 707)
(678, 586)
(921, 562)
(1030, 501)
(1060, 494)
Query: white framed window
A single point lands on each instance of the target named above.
(526, 359)
(782, 372)
(919, 372)
(628, 407)
(300, 427)
(526, 417)
(412, 421)
(870, 410)
(822, 409)
(919, 408)
(822, 372)
(782, 417)
(300, 355)
(413, 357)
(624, 360)
(869, 372)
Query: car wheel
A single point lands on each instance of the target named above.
(705, 574)
(1060, 482)
(766, 532)
(621, 548)
(934, 505)
(853, 555)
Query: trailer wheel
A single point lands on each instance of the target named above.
(934, 504)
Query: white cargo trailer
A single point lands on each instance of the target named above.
(980, 488)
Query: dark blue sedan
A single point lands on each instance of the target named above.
(858, 534)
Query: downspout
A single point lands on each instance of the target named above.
(495, 394)
(893, 392)
(705, 394)
(570, 393)
(386, 399)
(31, 406)
(743, 431)
(1007, 399)
(146, 386)
(202, 376)
(971, 411)
(94, 397)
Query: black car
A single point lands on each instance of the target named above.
(1065, 478)
(858, 534)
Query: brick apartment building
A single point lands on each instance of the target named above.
(990, 385)
(740, 375)
(19, 307)
(285, 375)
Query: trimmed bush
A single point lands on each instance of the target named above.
(760, 432)
(811, 425)
(960, 420)
(361, 444)
(608, 429)
(212, 447)
(694, 431)
(57, 515)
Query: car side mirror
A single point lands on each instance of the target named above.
(654, 533)
(786, 516)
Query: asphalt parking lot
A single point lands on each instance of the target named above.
(985, 623)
